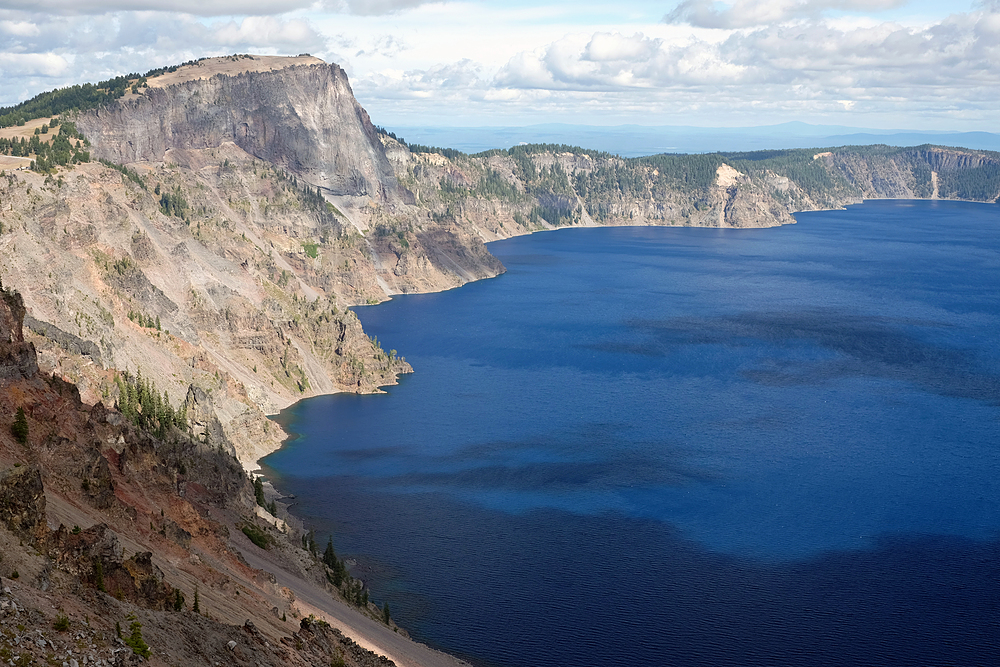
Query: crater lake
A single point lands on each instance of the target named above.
(684, 446)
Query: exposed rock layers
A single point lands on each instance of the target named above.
(302, 118)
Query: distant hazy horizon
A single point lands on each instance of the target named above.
(631, 140)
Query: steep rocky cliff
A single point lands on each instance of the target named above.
(219, 298)
(526, 188)
(302, 118)
(17, 357)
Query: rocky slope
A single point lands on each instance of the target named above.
(217, 300)
(115, 540)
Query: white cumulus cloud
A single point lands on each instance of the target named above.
(747, 13)
(948, 67)
(440, 80)
(19, 28)
(608, 47)
(33, 64)
(378, 7)
(66, 50)
(212, 7)
(269, 31)
(611, 61)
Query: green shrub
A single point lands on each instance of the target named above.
(257, 536)
(61, 623)
(258, 492)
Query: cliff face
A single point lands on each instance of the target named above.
(919, 172)
(505, 193)
(22, 503)
(501, 195)
(222, 293)
(17, 357)
(302, 118)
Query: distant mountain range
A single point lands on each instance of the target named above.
(638, 140)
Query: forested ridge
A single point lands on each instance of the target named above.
(72, 98)
(80, 97)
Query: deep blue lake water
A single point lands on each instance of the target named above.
(656, 446)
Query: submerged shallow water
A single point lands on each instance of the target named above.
(685, 446)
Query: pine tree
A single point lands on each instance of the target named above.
(19, 428)
(312, 543)
(99, 575)
(329, 556)
(135, 640)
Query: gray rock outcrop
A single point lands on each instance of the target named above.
(303, 118)
(17, 358)
(65, 340)
(22, 503)
(204, 421)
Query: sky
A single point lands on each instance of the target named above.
(918, 65)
